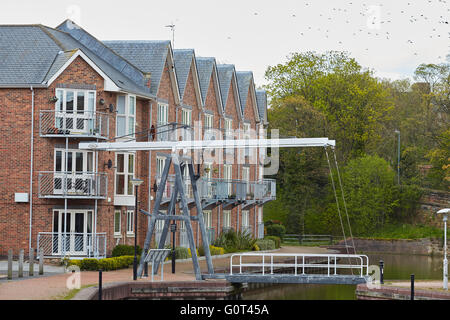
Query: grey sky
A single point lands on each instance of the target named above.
(391, 37)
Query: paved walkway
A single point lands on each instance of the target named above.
(55, 286)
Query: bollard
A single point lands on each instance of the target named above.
(381, 272)
(100, 284)
(31, 263)
(20, 263)
(146, 265)
(412, 287)
(41, 261)
(10, 262)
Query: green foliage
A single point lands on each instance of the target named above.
(265, 244)
(408, 231)
(276, 230)
(232, 241)
(275, 239)
(125, 250)
(106, 264)
(212, 249)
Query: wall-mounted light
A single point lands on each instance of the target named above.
(108, 164)
(111, 108)
(102, 101)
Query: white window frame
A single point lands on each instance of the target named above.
(207, 217)
(226, 218)
(209, 121)
(86, 113)
(117, 234)
(128, 115)
(125, 173)
(130, 223)
(245, 219)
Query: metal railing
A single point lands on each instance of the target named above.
(61, 244)
(302, 264)
(224, 189)
(77, 123)
(62, 184)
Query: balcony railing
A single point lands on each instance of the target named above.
(77, 185)
(60, 244)
(77, 124)
(223, 189)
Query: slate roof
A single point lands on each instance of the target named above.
(205, 67)
(244, 79)
(32, 54)
(225, 73)
(261, 102)
(148, 56)
(26, 54)
(183, 59)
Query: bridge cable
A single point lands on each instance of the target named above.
(343, 199)
(337, 205)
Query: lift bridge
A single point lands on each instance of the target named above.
(244, 267)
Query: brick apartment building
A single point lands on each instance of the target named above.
(61, 86)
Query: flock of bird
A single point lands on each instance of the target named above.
(379, 18)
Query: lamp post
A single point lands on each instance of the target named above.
(398, 156)
(445, 212)
(136, 183)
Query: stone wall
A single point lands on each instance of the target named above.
(421, 246)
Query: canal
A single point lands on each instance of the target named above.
(396, 267)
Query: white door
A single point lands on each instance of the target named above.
(72, 232)
(74, 172)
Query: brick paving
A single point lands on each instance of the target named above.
(54, 286)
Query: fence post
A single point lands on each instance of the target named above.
(20, 275)
(10, 261)
(41, 261)
(412, 287)
(31, 263)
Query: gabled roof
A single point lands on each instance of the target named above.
(207, 70)
(33, 54)
(227, 78)
(184, 60)
(261, 101)
(149, 56)
(244, 80)
(26, 54)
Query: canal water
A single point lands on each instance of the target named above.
(396, 267)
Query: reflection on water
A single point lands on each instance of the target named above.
(396, 267)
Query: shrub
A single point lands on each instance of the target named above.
(255, 247)
(276, 230)
(212, 249)
(106, 264)
(232, 241)
(265, 244)
(276, 240)
(89, 264)
(125, 250)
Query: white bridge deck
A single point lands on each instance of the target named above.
(296, 268)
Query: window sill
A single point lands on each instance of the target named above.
(130, 234)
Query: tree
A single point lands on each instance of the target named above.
(354, 103)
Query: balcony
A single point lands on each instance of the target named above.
(72, 185)
(60, 244)
(81, 124)
(228, 193)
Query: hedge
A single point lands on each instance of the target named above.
(125, 250)
(266, 244)
(276, 230)
(106, 264)
(275, 239)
